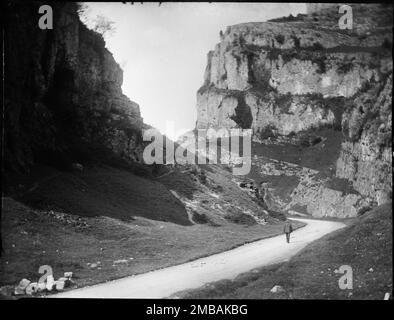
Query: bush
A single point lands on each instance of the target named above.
(345, 68)
(387, 44)
(363, 210)
(292, 134)
(267, 132)
(317, 46)
(321, 63)
(203, 177)
(283, 101)
(240, 218)
(280, 38)
(277, 215)
(296, 41)
(299, 17)
(199, 218)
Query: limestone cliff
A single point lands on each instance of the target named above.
(63, 97)
(290, 75)
(366, 153)
(293, 74)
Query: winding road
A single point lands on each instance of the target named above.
(225, 265)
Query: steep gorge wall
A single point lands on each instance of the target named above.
(63, 97)
(294, 74)
(366, 153)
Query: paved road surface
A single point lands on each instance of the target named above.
(226, 265)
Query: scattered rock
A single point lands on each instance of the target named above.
(277, 289)
(93, 265)
(120, 261)
(370, 270)
(50, 283)
(31, 288)
(68, 219)
(41, 286)
(60, 285)
(77, 167)
(21, 287)
(6, 291)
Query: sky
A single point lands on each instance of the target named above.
(163, 51)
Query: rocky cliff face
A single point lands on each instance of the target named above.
(366, 153)
(63, 97)
(298, 73)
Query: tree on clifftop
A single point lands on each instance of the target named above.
(103, 26)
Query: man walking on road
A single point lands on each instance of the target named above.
(287, 229)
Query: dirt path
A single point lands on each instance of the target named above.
(226, 265)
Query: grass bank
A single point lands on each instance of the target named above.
(365, 245)
(102, 248)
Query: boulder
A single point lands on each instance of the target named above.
(50, 283)
(277, 289)
(21, 287)
(41, 286)
(31, 288)
(67, 281)
(60, 285)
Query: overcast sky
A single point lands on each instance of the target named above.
(163, 50)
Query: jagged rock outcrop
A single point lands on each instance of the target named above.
(63, 96)
(298, 73)
(274, 74)
(366, 154)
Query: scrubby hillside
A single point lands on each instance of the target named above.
(318, 100)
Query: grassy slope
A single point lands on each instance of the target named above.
(107, 214)
(32, 238)
(364, 244)
(103, 191)
(321, 157)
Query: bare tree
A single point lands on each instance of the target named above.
(83, 11)
(103, 26)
